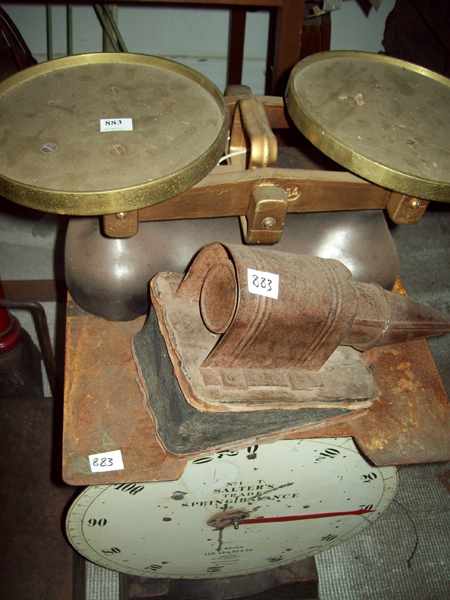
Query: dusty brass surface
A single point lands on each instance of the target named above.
(55, 159)
(266, 215)
(253, 144)
(263, 143)
(380, 117)
(121, 225)
(405, 210)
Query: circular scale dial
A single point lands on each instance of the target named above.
(233, 512)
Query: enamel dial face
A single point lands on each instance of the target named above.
(233, 512)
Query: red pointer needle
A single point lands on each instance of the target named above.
(361, 511)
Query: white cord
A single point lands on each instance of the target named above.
(227, 156)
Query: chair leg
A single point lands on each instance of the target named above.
(236, 42)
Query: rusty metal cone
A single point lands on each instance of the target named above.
(386, 318)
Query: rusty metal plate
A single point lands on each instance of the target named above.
(166, 129)
(380, 117)
(105, 407)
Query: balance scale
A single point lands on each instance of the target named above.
(257, 416)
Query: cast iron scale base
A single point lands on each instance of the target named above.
(115, 135)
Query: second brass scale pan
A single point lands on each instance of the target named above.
(382, 118)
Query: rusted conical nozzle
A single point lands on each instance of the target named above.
(383, 317)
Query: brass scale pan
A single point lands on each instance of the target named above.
(55, 158)
(382, 118)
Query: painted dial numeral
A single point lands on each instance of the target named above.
(233, 512)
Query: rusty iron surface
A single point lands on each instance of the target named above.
(409, 423)
(288, 310)
(191, 323)
(312, 306)
(105, 409)
(266, 215)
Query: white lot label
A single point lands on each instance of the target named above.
(106, 461)
(262, 283)
(116, 124)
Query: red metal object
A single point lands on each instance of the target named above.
(305, 517)
(10, 337)
(5, 320)
(10, 331)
